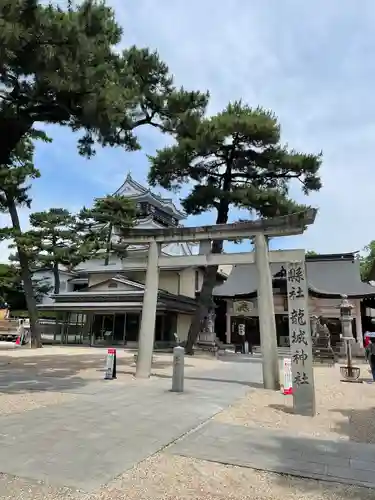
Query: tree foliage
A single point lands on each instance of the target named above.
(367, 262)
(9, 285)
(58, 239)
(233, 160)
(11, 289)
(62, 66)
(52, 241)
(104, 222)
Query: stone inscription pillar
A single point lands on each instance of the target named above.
(267, 324)
(150, 299)
(300, 340)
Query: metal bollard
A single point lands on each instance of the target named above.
(178, 369)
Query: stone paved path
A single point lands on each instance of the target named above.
(276, 451)
(112, 425)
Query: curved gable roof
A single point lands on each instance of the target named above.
(337, 278)
(134, 190)
(329, 278)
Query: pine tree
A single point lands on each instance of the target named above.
(53, 241)
(104, 222)
(14, 188)
(9, 281)
(233, 160)
(58, 238)
(62, 66)
(11, 289)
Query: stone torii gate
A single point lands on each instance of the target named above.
(258, 231)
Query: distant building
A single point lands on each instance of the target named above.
(102, 304)
(329, 276)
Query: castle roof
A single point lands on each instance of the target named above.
(132, 189)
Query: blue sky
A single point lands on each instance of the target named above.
(311, 62)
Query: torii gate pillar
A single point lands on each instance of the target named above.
(150, 301)
(267, 324)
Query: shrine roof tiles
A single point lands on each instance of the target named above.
(329, 278)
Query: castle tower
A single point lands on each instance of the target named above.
(156, 212)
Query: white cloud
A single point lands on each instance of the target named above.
(311, 62)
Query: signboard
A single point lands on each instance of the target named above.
(288, 380)
(300, 340)
(242, 307)
(110, 368)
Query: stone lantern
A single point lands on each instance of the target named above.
(349, 372)
(346, 318)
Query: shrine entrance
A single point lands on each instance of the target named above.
(258, 231)
(252, 331)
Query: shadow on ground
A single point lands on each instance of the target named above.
(358, 426)
(282, 449)
(282, 408)
(202, 378)
(239, 358)
(331, 468)
(60, 372)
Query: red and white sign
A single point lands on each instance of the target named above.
(110, 371)
(288, 380)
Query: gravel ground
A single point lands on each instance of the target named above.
(165, 477)
(15, 488)
(344, 410)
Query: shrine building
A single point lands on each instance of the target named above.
(329, 276)
(100, 303)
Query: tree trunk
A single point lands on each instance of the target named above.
(26, 278)
(204, 304)
(12, 130)
(56, 277)
(209, 279)
(205, 300)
